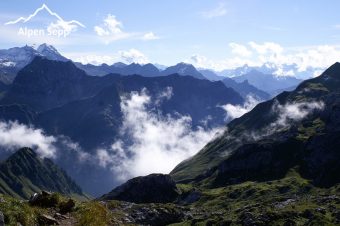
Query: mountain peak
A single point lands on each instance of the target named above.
(45, 83)
(46, 47)
(119, 64)
(183, 69)
(182, 64)
(333, 71)
(50, 52)
(23, 153)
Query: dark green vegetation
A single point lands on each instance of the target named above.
(24, 174)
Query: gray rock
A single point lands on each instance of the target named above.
(45, 219)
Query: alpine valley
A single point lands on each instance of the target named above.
(79, 143)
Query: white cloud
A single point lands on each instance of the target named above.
(158, 144)
(286, 115)
(240, 50)
(318, 57)
(111, 30)
(311, 59)
(166, 94)
(236, 111)
(199, 61)
(219, 11)
(14, 135)
(111, 26)
(133, 56)
(294, 112)
(219, 65)
(94, 59)
(127, 56)
(150, 36)
(267, 47)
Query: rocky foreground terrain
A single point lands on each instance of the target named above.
(289, 201)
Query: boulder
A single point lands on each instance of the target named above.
(44, 199)
(154, 188)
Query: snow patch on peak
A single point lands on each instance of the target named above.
(44, 47)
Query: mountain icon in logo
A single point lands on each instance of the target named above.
(59, 24)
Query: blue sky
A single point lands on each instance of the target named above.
(208, 33)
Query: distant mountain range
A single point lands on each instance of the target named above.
(267, 82)
(25, 173)
(147, 70)
(273, 69)
(262, 78)
(62, 99)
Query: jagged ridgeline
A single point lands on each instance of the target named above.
(25, 173)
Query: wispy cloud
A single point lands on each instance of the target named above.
(150, 36)
(96, 58)
(294, 112)
(157, 143)
(219, 11)
(112, 30)
(240, 50)
(133, 56)
(14, 135)
(236, 111)
(286, 115)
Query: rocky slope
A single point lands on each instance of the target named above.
(298, 128)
